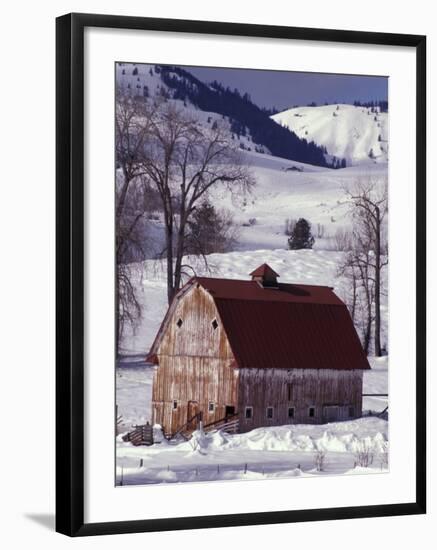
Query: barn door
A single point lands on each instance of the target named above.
(193, 409)
(330, 413)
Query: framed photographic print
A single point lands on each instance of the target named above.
(240, 274)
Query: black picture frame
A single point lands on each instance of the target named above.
(70, 273)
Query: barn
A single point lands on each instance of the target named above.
(256, 351)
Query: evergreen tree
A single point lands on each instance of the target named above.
(301, 236)
(210, 231)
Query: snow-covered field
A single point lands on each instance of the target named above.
(216, 456)
(283, 192)
(284, 451)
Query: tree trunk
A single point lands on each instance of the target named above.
(169, 244)
(367, 332)
(122, 198)
(117, 317)
(179, 255)
(377, 343)
(367, 335)
(184, 209)
(368, 324)
(354, 296)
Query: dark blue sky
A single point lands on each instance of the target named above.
(285, 89)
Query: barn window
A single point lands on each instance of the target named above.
(269, 412)
(214, 324)
(311, 412)
(248, 412)
(351, 411)
(289, 388)
(179, 322)
(290, 412)
(175, 405)
(211, 407)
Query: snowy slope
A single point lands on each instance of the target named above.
(282, 192)
(284, 189)
(145, 80)
(348, 132)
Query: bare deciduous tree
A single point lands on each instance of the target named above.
(167, 161)
(185, 161)
(289, 226)
(132, 201)
(343, 239)
(364, 455)
(320, 230)
(360, 298)
(368, 253)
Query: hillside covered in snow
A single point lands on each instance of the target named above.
(354, 133)
(251, 127)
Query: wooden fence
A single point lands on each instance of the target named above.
(140, 435)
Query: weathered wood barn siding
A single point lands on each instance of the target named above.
(267, 324)
(299, 389)
(194, 364)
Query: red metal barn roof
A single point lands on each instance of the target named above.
(291, 335)
(234, 289)
(291, 326)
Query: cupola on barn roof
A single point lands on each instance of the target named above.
(265, 276)
(264, 270)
